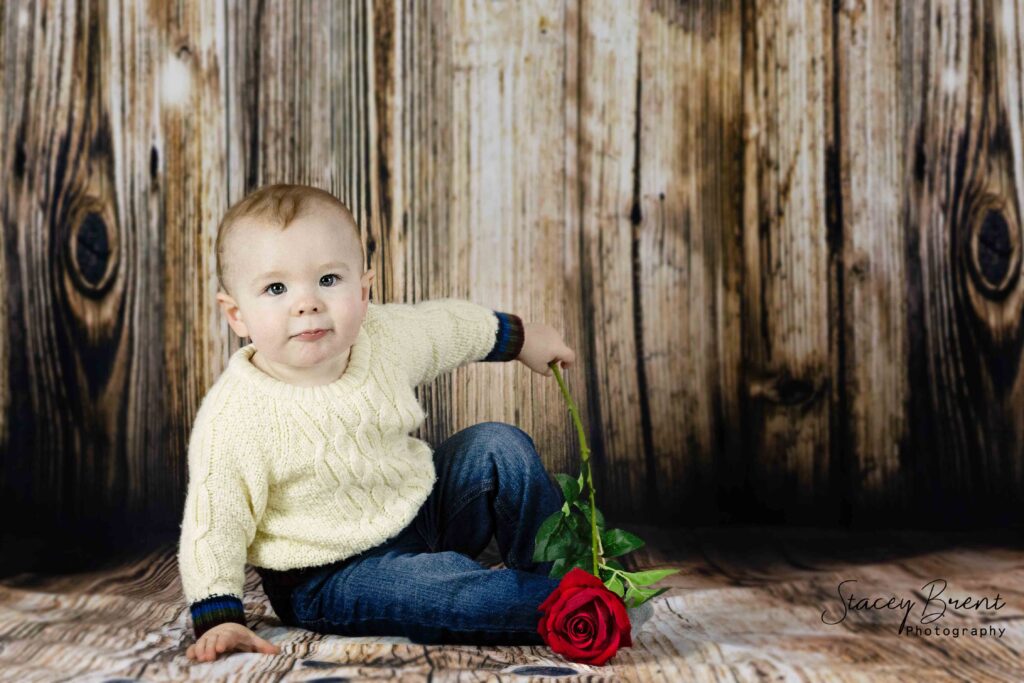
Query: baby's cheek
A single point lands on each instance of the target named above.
(266, 340)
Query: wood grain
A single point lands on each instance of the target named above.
(867, 178)
(786, 307)
(747, 605)
(783, 238)
(963, 214)
(82, 273)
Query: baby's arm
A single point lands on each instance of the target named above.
(225, 499)
(432, 337)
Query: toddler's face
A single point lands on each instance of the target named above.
(286, 282)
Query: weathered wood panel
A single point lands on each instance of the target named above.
(686, 257)
(783, 236)
(786, 291)
(182, 77)
(476, 193)
(608, 63)
(866, 178)
(83, 243)
(963, 214)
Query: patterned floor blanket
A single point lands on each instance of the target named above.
(749, 604)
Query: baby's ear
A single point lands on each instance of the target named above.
(233, 314)
(368, 280)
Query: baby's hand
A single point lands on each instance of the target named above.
(543, 344)
(228, 637)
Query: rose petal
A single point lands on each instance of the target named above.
(605, 623)
(583, 620)
(623, 625)
(548, 601)
(603, 656)
(559, 600)
(606, 644)
(568, 650)
(578, 603)
(579, 577)
(569, 581)
(578, 599)
(581, 629)
(617, 612)
(558, 610)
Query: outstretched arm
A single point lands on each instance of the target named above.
(433, 337)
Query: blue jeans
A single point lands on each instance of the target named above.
(424, 583)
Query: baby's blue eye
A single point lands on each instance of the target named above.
(331, 278)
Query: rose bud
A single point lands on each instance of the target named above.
(584, 621)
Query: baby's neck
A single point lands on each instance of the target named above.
(326, 373)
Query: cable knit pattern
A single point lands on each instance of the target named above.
(284, 476)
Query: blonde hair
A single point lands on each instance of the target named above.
(278, 205)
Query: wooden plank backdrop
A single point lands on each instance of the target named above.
(783, 237)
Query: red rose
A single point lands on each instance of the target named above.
(584, 621)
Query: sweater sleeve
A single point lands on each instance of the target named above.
(226, 496)
(437, 336)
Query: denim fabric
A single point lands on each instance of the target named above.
(424, 583)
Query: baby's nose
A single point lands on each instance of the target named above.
(309, 308)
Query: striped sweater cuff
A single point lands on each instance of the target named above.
(509, 338)
(218, 609)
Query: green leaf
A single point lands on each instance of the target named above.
(584, 507)
(570, 489)
(560, 540)
(630, 596)
(564, 565)
(580, 528)
(548, 526)
(558, 569)
(648, 577)
(615, 564)
(618, 542)
(615, 586)
(638, 596)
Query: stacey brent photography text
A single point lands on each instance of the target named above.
(934, 607)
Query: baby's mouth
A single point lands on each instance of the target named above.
(310, 335)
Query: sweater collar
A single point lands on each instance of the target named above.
(354, 375)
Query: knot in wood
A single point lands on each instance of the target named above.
(994, 249)
(784, 389)
(91, 257)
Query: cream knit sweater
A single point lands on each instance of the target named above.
(283, 476)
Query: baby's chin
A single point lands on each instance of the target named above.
(302, 354)
(309, 353)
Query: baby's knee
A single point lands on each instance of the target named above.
(499, 444)
(504, 433)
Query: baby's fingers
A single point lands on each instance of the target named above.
(199, 649)
(210, 648)
(265, 647)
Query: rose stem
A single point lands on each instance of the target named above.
(585, 453)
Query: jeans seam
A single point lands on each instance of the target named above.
(466, 500)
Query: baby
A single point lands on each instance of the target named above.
(301, 461)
